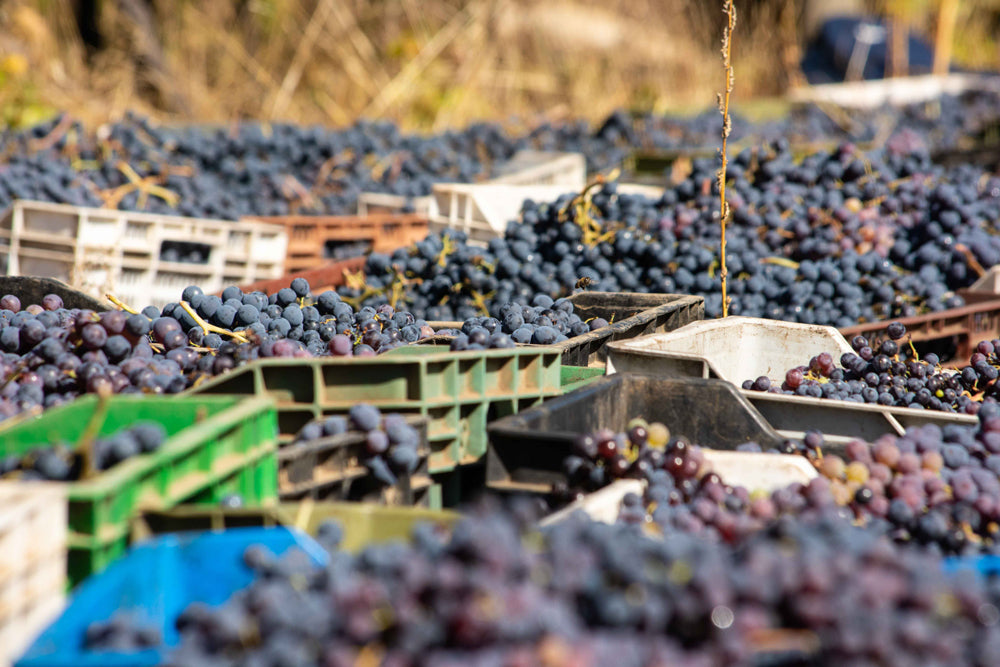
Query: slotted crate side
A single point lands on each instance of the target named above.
(526, 450)
(964, 326)
(215, 446)
(108, 250)
(308, 236)
(333, 468)
(32, 561)
(456, 391)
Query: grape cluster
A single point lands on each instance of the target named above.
(391, 444)
(877, 373)
(121, 633)
(836, 238)
(64, 462)
(544, 322)
(581, 593)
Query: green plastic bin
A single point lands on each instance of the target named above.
(363, 523)
(458, 392)
(216, 445)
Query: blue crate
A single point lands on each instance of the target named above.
(156, 581)
(981, 565)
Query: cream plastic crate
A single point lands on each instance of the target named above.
(744, 348)
(32, 562)
(379, 202)
(529, 167)
(103, 250)
(754, 471)
(894, 91)
(483, 211)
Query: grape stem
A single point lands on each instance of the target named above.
(211, 328)
(85, 445)
(727, 65)
(121, 305)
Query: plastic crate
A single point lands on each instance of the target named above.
(328, 277)
(32, 562)
(527, 450)
(742, 348)
(531, 167)
(216, 445)
(333, 468)
(31, 289)
(311, 239)
(630, 315)
(574, 377)
(458, 392)
(954, 333)
(156, 581)
(364, 524)
(106, 250)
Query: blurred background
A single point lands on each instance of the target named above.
(425, 64)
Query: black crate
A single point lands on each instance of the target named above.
(527, 449)
(630, 315)
(332, 469)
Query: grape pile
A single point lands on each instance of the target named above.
(544, 322)
(876, 373)
(64, 462)
(51, 354)
(496, 593)
(837, 238)
(391, 444)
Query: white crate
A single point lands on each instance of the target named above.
(103, 250)
(876, 93)
(33, 518)
(732, 349)
(529, 167)
(736, 349)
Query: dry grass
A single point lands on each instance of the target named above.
(426, 64)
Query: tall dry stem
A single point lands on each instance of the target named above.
(727, 65)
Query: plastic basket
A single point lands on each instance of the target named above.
(106, 250)
(458, 392)
(527, 450)
(328, 277)
(216, 445)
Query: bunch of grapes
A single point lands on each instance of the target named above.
(391, 444)
(879, 373)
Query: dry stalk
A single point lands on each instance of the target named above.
(727, 65)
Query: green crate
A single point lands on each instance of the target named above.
(364, 524)
(215, 446)
(458, 392)
(574, 377)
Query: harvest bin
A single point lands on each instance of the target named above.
(458, 392)
(216, 445)
(630, 315)
(527, 449)
(156, 581)
(743, 348)
(332, 468)
(364, 524)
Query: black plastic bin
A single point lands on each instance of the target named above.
(527, 449)
(31, 289)
(332, 469)
(630, 315)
